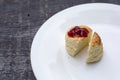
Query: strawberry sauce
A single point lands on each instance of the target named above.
(78, 32)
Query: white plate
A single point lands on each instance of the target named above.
(49, 58)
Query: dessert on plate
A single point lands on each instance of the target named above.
(81, 36)
(95, 49)
(77, 38)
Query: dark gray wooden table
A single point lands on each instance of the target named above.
(19, 21)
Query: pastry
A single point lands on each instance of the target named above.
(95, 49)
(77, 38)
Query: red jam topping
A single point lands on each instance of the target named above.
(78, 32)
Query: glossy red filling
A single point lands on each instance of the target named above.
(78, 32)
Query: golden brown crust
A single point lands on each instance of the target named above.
(96, 40)
(95, 49)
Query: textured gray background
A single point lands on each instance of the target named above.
(19, 21)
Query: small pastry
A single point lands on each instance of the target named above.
(95, 49)
(77, 38)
